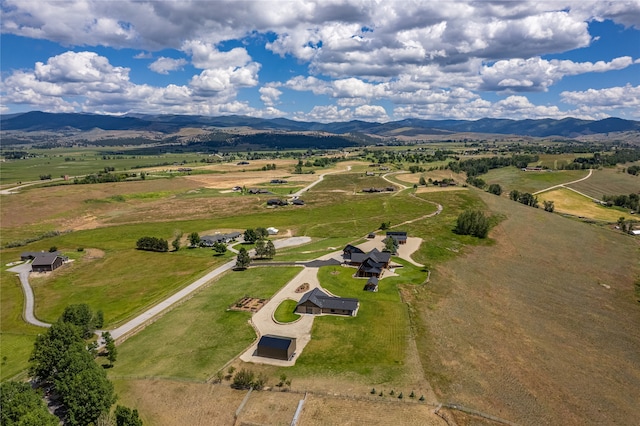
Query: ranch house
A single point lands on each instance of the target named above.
(43, 261)
(317, 302)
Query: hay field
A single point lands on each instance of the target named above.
(513, 178)
(609, 181)
(539, 328)
(567, 201)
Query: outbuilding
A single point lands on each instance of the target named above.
(276, 347)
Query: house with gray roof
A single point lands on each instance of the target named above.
(44, 261)
(370, 264)
(317, 302)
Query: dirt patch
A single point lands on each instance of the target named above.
(93, 253)
(302, 288)
(248, 304)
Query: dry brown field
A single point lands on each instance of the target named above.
(567, 201)
(539, 328)
(166, 402)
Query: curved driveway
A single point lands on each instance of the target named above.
(23, 272)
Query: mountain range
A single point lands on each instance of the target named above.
(568, 127)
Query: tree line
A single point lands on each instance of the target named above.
(477, 166)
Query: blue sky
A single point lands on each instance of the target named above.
(330, 60)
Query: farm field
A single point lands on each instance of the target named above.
(78, 162)
(553, 161)
(567, 201)
(518, 329)
(513, 178)
(609, 181)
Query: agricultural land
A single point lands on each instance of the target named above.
(536, 324)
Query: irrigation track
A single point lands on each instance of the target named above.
(563, 185)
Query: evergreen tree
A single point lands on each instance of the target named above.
(243, 260)
(270, 250)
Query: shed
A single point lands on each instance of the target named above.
(371, 285)
(277, 347)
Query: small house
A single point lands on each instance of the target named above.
(297, 202)
(400, 237)
(276, 202)
(276, 347)
(46, 262)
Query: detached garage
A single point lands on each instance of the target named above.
(276, 347)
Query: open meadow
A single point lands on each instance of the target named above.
(540, 327)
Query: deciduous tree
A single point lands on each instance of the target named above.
(472, 222)
(22, 405)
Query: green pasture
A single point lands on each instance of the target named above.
(608, 181)
(350, 182)
(285, 311)
(84, 161)
(511, 178)
(553, 161)
(16, 336)
(197, 338)
(123, 283)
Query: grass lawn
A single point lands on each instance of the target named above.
(198, 337)
(567, 201)
(284, 311)
(122, 283)
(513, 178)
(370, 347)
(16, 336)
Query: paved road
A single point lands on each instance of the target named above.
(23, 272)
